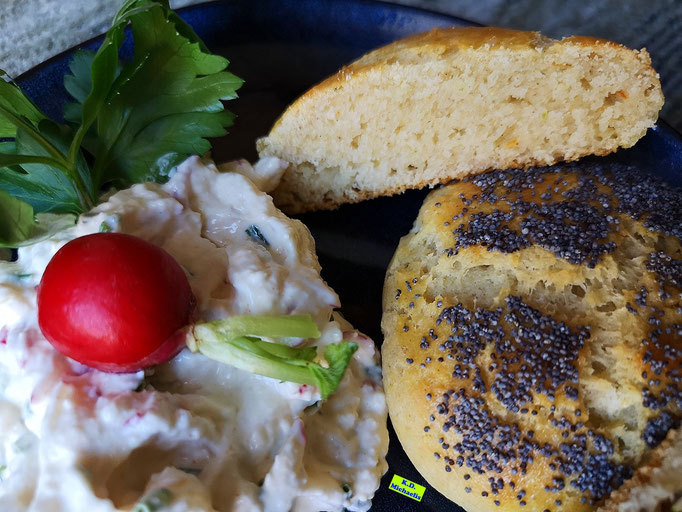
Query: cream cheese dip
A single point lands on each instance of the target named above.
(192, 434)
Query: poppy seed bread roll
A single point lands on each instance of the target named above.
(449, 102)
(533, 334)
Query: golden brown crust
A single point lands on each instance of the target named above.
(524, 318)
(442, 40)
(438, 41)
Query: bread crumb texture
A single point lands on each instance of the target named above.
(449, 102)
(656, 487)
(533, 334)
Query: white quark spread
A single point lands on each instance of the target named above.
(193, 434)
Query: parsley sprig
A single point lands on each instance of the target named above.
(130, 122)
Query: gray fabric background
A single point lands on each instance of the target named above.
(34, 30)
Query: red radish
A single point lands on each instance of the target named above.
(120, 304)
(115, 302)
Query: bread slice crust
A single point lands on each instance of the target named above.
(450, 102)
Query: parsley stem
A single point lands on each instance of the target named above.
(9, 160)
(84, 196)
(76, 144)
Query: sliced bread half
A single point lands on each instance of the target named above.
(450, 102)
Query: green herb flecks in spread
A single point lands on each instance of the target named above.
(256, 234)
(155, 501)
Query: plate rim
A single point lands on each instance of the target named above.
(667, 131)
(384, 4)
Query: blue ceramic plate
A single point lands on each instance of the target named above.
(281, 49)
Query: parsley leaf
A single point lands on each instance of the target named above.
(131, 121)
(41, 179)
(20, 226)
(33, 166)
(78, 84)
(155, 111)
(16, 220)
(13, 103)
